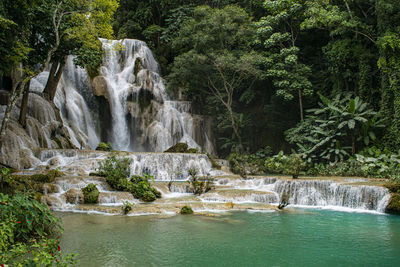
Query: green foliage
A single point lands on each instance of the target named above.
(378, 165)
(186, 210)
(332, 131)
(193, 150)
(199, 185)
(243, 165)
(214, 164)
(116, 171)
(394, 204)
(177, 148)
(27, 231)
(216, 61)
(4, 177)
(141, 188)
(278, 32)
(118, 176)
(104, 146)
(90, 194)
(35, 219)
(291, 164)
(126, 207)
(48, 177)
(181, 148)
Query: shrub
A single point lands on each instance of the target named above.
(35, 218)
(285, 164)
(294, 165)
(104, 146)
(200, 185)
(117, 173)
(27, 230)
(48, 177)
(214, 164)
(193, 150)
(90, 194)
(181, 148)
(186, 210)
(177, 148)
(141, 188)
(394, 204)
(115, 170)
(126, 207)
(382, 166)
(241, 164)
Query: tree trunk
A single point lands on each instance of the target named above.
(24, 105)
(15, 93)
(52, 82)
(301, 106)
(353, 144)
(235, 128)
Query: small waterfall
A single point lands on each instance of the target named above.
(329, 193)
(163, 166)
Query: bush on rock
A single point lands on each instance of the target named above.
(186, 210)
(90, 194)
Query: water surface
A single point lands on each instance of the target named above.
(296, 238)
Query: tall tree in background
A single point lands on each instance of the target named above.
(51, 30)
(388, 27)
(279, 32)
(218, 59)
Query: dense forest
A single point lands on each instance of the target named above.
(262, 65)
(319, 78)
(289, 87)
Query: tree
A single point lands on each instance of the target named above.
(56, 29)
(218, 59)
(279, 32)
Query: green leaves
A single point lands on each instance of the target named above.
(330, 130)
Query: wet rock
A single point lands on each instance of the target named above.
(74, 196)
(99, 86)
(52, 201)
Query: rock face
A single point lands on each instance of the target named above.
(140, 116)
(144, 117)
(44, 128)
(74, 196)
(99, 86)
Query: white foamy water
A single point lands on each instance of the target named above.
(137, 98)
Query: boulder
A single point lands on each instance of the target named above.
(74, 196)
(99, 86)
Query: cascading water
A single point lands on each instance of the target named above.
(73, 107)
(143, 117)
(329, 193)
(317, 192)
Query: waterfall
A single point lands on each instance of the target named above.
(143, 116)
(163, 166)
(330, 193)
(74, 110)
(129, 101)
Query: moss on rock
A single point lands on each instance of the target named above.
(104, 146)
(394, 204)
(90, 194)
(186, 210)
(177, 148)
